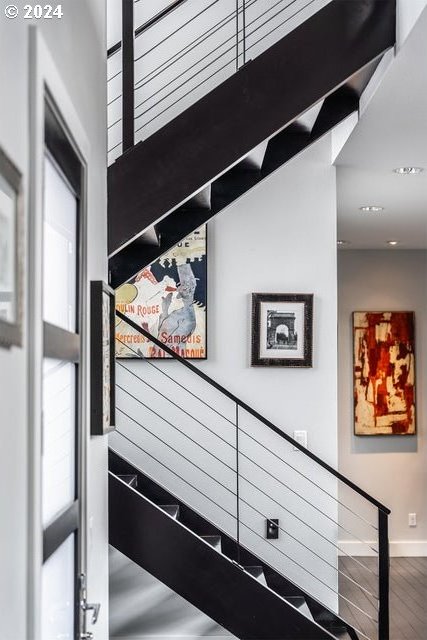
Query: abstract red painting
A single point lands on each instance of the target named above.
(384, 373)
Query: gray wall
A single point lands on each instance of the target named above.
(77, 44)
(392, 468)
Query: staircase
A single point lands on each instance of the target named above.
(222, 145)
(202, 564)
(196, 477)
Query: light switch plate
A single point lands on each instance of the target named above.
(301, 438)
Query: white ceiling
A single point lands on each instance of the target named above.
(392, 132)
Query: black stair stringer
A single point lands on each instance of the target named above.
(194, 523)
(261, 98)
(225, 190)
(196, 571)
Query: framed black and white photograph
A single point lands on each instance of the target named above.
(11, 253)
(282, 329)
(102, 358)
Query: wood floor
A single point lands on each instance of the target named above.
(408, 597)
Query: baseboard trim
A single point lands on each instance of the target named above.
(398, 548)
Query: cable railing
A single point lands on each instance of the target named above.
(184, 51)
(239, 470)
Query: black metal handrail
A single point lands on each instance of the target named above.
(150, 23)
(233, 424)
(280, 482)
(282, 506)
(254, 413)
(376, 611)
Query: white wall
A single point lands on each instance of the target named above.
(392, 468)
(280, 237)
(77, 44)
(408, 12)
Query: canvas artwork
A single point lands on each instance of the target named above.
(167, 299)
(384, 373)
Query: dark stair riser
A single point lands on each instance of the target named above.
(201, 575)
(266, 94)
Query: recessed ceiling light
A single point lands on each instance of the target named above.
(343, 243)
(372, 208)
(392, 243)
(408, 171)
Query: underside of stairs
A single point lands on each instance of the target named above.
(209, 569)
(268, 111)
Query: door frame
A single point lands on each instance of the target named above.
(45, 80)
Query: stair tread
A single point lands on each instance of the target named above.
(213, 540)
(301, 604)
(257, 572)
(171, 509)
(130, 478)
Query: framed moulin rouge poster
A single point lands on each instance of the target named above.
(167, 299)
(384, 373)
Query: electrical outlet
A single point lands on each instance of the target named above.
(412, 519)
(301, 438)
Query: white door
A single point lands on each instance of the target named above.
(63, 598)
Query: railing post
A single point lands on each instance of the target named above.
(244, 31)
(383, 575)
(237, 35)
(127, 75)
(237, 486)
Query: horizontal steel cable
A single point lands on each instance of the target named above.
(176, 474)
(115, 146)
(184, 96)
(231, 17)
(267, 449)
(231, 48)
(342, 504)
(262, 446)
(247, 503)
(234, 517)
(176, 31)
(202, 424)
(176, 428)
(279, 25)
(255, 486)
(182, 52)
(194, 395)
(176, 451)
(311, 574)
(256, 464)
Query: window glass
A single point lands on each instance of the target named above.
(59, 419)
(59, 250)
(57, 611)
